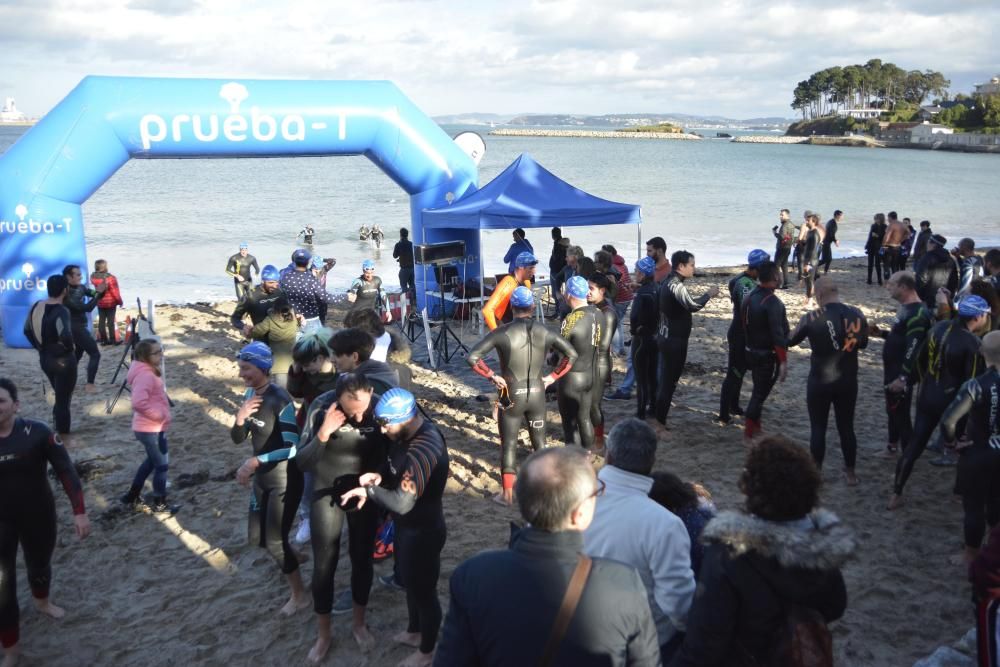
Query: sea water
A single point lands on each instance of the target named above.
(167, 227)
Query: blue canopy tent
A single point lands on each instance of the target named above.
(525, 194)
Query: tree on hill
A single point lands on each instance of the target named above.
(872, 85)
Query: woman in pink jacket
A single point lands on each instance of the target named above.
(150, 419)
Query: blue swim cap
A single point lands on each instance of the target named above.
(577, 287)
(301, 257)
(317, 262)
(367, 264)
(244, 245)
(973, 306)
(757, 257)
(269, 272)
(395, 407)
(646, 265)
(258, 354)
(522, 297)
(524, 259)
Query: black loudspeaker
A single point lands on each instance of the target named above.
(439, 253)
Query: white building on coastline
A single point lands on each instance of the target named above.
(991, 88)
(10, 114)
(860, 114)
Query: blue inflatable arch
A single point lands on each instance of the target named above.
(47, 175)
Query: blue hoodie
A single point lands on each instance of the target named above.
(516, 249)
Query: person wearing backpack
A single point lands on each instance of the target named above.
(785, 234)
(770, 580)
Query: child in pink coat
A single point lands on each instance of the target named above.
(150, 420)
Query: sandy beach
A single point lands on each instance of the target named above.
(188, 590)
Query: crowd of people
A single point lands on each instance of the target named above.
(625, 566)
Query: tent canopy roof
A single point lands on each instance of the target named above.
(526, 194)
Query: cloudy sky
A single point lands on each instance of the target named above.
(711, 57)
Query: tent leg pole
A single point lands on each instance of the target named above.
(482, 285)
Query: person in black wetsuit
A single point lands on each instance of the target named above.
(873, 247)
(643, 322)
(402, 252)
(259, 302)
(600, 287)
(836, 332)
(765, 328)
(978, 478)
(521, 346)
(238, 266)
(28, 512)
(366, 292)
(810, 257)
(575, 390)
(411, 489)
(49, 331)
(76, 300)
(899, 356)
(950, 356)
(739, 288)
(936, 269)
(267, 417)
(340, 442)
(676, 306)
(829, 239)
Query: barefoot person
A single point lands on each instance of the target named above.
(28, 512)
(340, 441)
(948, 359)
(575, 392)
(521, 346)
(267, 417)
(978, 478)
(412, 490)
(836, 333)
(49, 331)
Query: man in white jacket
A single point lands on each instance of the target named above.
(631, 528)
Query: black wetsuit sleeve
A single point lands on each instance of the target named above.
(311, 447)
(254, 265)
(75, 301)
(63, 466)
(964, 400)
(239, 433)
(645, 316)
(801, 331)
(421, 460)
(778, 323)
(683, 297)
(481, 349)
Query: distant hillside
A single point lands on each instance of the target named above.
(634, 120)
(473, 118)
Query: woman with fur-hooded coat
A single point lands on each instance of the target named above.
(782, 550)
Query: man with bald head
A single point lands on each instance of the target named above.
(504, 603)
(836, 332)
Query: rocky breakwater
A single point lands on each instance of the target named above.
(593, 134)
(768, 139)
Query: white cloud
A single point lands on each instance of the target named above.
(736, 58)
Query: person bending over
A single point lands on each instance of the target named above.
(28, 513)
(521, 347)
